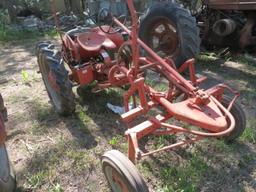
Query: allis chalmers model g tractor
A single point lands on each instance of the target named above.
(112, 55)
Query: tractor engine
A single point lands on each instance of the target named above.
(91, 52)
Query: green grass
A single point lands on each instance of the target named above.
(7, 35)
(25, 76)
(249, 134)
(185, 177)
(38, 179)
(43, 169)
(113, 141)
(57, 188)
(163, 140)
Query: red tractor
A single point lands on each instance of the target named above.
(7, 176)
(112, 55)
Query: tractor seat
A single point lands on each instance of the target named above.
(93, 42)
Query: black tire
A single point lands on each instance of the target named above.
(61, 94)
(185, 44)
(240, 119)
(7, 175)
(128, 175)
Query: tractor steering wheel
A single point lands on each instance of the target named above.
(105, 17)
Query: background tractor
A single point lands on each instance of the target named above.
(169, 29)
(225, 23)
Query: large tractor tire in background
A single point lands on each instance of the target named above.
(170, 31)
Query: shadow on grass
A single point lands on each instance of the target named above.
(109, 124)
(209, 168)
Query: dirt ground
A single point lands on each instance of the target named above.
(51, 153)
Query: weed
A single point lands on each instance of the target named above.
(176, 177)
(81, 160)
(37, 128)
(38, 179)
(161, 141)
(25, 76)
(57, 188)
(207, 58)
(113, 141)
(43, 113)
(249, 134)
(82, 114)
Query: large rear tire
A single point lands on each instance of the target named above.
(170, 31)
(7, 176)
(121, 173)
(56, 79)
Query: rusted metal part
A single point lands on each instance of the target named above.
(164, 37)
(232, 4)
(3, 118)
(2, 130)
(246, 37)
(224, 27)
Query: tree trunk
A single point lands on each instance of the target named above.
(9, 5)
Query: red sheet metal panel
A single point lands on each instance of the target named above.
(232, 4)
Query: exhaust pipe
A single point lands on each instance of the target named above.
(224, 27)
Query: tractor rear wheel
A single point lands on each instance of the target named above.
(240, 119)
(56, 79)
(121, 173)
(170, 31)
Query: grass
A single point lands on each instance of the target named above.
(249, 134)
(177, 177)
(7, 35)
(57, 188)
(25, 76)
(43, 169)
(29, 77)
(113, 141)
(38, 179)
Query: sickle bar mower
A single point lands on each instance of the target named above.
(111, 55)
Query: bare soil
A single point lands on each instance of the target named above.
(51, 153)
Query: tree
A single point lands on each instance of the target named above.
(10, 6)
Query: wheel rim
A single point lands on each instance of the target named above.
(48, 78)
(163, 38)
(115, 180)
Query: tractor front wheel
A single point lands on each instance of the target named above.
(121, 173)
(56, 79)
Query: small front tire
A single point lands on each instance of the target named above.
(121, 173)
(239, 116)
